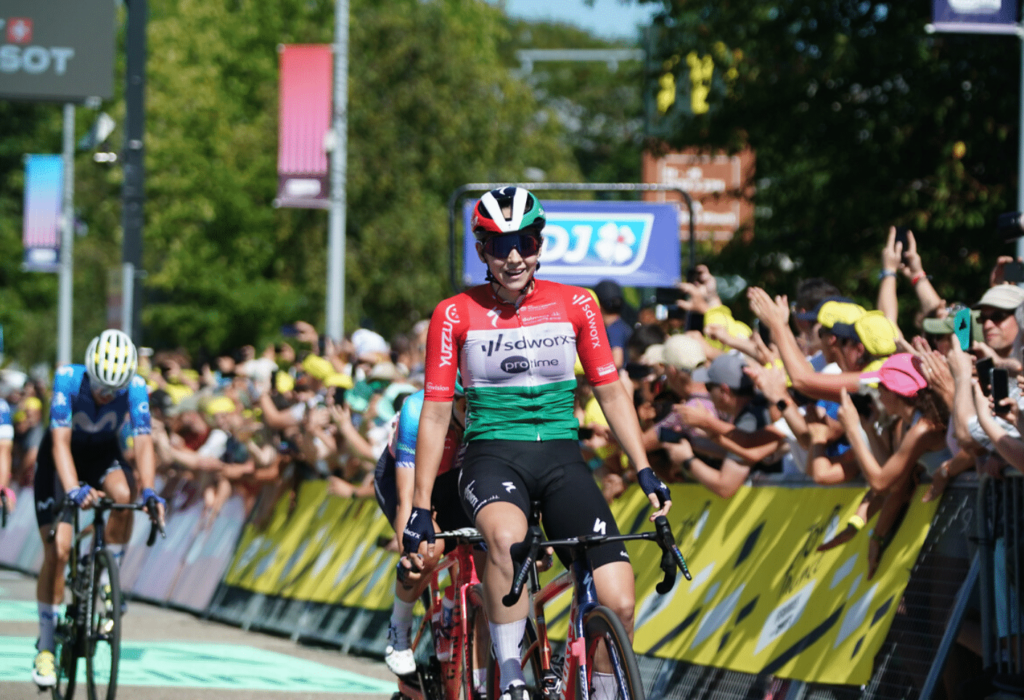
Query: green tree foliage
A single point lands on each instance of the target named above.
(599, 106)
(859, 120)
(431, 105)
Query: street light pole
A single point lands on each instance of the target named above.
(335, 311)
(133, 191)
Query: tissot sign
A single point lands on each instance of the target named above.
(61, 50)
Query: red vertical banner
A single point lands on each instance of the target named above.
(306, 80)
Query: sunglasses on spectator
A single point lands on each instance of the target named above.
(501, 246)
(996, 317)
(711, 385)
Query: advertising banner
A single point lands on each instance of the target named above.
(56, 50)
(44, 191)
(634, 243)
(975, 16)
(306, 80)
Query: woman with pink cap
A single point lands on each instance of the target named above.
(916, 436)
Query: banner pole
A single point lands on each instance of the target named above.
(335, 310)
(67, 242)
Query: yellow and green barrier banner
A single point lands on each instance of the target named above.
(763, 599)
(320, 548)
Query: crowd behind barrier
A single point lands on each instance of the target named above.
(821, 391)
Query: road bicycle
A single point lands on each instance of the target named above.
(456, 633)
(91, 625)
(591, 625)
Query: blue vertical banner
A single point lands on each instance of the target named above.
(44, 188)
(634, 243)
(975, 16)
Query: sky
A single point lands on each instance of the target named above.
(606, 18)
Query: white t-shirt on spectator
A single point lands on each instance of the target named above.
(216, 443)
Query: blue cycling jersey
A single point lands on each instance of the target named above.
(403, 444)
(73, 406)
(6, 427)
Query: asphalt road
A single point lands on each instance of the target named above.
(167, 654)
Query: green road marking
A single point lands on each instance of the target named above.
(192, 665)
(18, 611)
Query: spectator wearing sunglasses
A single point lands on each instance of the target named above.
(1000, 319)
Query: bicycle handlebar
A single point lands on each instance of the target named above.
(465, 535)
(109, 504)
(671, 557)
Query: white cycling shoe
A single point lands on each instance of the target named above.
(400, 662)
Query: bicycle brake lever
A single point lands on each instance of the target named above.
(531, 544)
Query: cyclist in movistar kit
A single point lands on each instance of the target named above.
(80, 458)
(393, 483)
(515, 341)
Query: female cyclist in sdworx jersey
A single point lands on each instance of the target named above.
(515, 340)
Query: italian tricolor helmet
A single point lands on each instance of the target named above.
(526, 215)
(111, 360)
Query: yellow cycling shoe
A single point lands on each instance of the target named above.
(43, 672)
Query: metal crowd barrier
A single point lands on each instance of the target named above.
(999, 533)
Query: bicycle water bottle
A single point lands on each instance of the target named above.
(444, 643)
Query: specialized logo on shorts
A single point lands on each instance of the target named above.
(509, 486)
(600, 527)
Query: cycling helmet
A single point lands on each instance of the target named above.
(526, 213)
(111, 360)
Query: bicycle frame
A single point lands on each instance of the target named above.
(584, 599)
(453, 672)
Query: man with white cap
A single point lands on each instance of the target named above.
(999, 308)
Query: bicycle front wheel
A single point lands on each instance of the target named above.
(604, 632)
(103, 645)
(66, 658)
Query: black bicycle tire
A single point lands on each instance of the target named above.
(474, 607)
(65, 659)
(533, 685)
(602, 623)
(104, 560)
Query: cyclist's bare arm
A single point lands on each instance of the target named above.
(62, 460)
(621, 414)
(5, 462)
(434, 419)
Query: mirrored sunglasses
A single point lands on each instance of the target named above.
(501, 246)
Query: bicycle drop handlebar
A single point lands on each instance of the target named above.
(108, 504)
(524, 554)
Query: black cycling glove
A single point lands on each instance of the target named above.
(420, 527)
(650, 483)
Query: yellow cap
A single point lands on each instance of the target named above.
(339, 379)
(877, 333)
(32, 403)
(284, 383)
(317, 367)
(833, 312)
(220, 404)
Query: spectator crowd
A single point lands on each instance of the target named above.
(822, 389)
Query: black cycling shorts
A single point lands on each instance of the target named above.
(552, 472)
(444, 498)
(93, 462)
